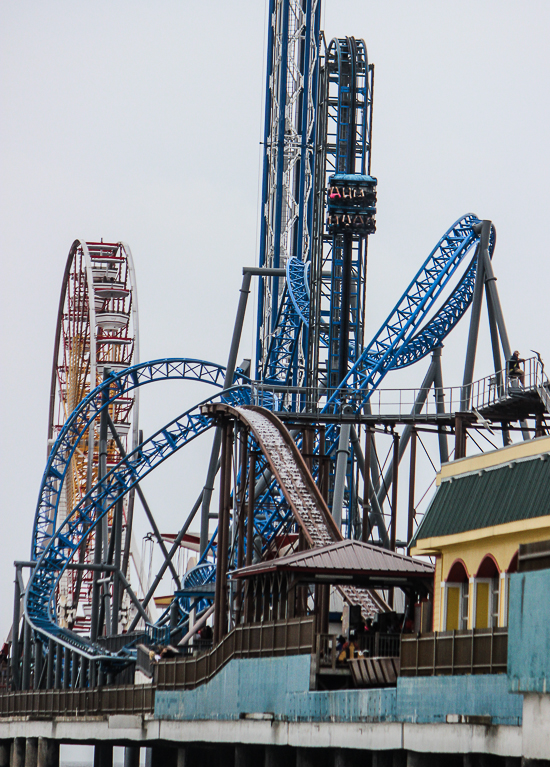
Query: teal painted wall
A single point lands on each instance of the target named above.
(431, 698)
(529, 632)
(280, 686)
(251, 685)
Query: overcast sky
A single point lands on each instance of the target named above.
(141, 121)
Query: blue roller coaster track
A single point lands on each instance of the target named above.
(310, 324)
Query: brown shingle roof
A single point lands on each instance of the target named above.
(341, 558)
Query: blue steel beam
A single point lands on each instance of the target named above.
(40, 603)
(87, 411)
(401, 326)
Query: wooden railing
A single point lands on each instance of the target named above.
(476, 651)
(295, 636)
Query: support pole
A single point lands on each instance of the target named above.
(393, 528)
(66, 668)
(376, 517)
(117, 524)
(225, 494)
(473, 332)
(50, 665)
(440, 406)
(248, 273)
(365, 527)
(491, 286)
(460, 437)
(241, 517)
(38, 663)
(15, 659)
(27, 648)
(58, 665)
(219, 553)
(412, 477)
(342, 454)
(175, 546)
(146, 508)
(497, 360)
(99, 528)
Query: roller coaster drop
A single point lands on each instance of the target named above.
(318, 208)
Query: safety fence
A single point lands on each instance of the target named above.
(375, 645)
(295, 636)
(475, 651)
(483, 393)
(99, 701)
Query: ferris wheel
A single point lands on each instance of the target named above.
(97, 331)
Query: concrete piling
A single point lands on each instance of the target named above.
(131, 756)
(31, 752)
(5, 746)
(48, 753)
(103, 755)
(18, 752)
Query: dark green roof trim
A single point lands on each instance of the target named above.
(518, 490)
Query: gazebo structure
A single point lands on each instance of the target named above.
(279, 588)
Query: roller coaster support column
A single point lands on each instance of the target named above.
(365, 526)
(412, 476)
(220, 613)
(250, 530)
(117, 532)
(490, 281)
(248, 273)
(241, 512)
(376, 517)
(342, 454)
(440, 405)
(460, 436)
(175, 546)
(146, 508)
(475, 317)
(98, 550)
(495, 307)
(27, 649)
(395, 470)
(15, 651)
(420, 401)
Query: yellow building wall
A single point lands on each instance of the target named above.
(502, 544)
(437, 606)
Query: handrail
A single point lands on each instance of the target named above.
(484, 392)
(294, 636)
(471, 651)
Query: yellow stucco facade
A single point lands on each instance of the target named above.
(476, 601)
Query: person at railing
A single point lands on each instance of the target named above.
(515, 371)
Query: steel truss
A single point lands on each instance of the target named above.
(289, 143)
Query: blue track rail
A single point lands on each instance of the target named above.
(63, 544)
(87, 411)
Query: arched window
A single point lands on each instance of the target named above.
(456, 597)
(513, 566)
(487, 594)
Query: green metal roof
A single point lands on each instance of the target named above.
(518, 490)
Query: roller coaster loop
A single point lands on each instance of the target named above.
(84, 414)
(63, 544)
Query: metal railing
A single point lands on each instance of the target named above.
(480, 394)
(475, 651)
(99, 701)
(374, 645)
(295, 636)
(291, 637)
